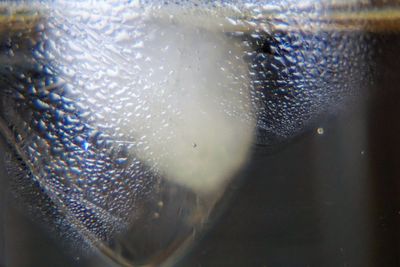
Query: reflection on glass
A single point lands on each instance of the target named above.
(124, 122)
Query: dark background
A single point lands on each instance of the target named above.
(323, 200)
(319, 200)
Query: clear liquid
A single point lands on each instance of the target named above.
(124, 128)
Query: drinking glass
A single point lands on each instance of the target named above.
(208, 133)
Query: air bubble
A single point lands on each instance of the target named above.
(125, 108)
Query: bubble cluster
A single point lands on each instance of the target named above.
(102, 103)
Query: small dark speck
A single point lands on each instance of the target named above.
(194, 145)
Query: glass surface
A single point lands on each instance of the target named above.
(199, 133)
